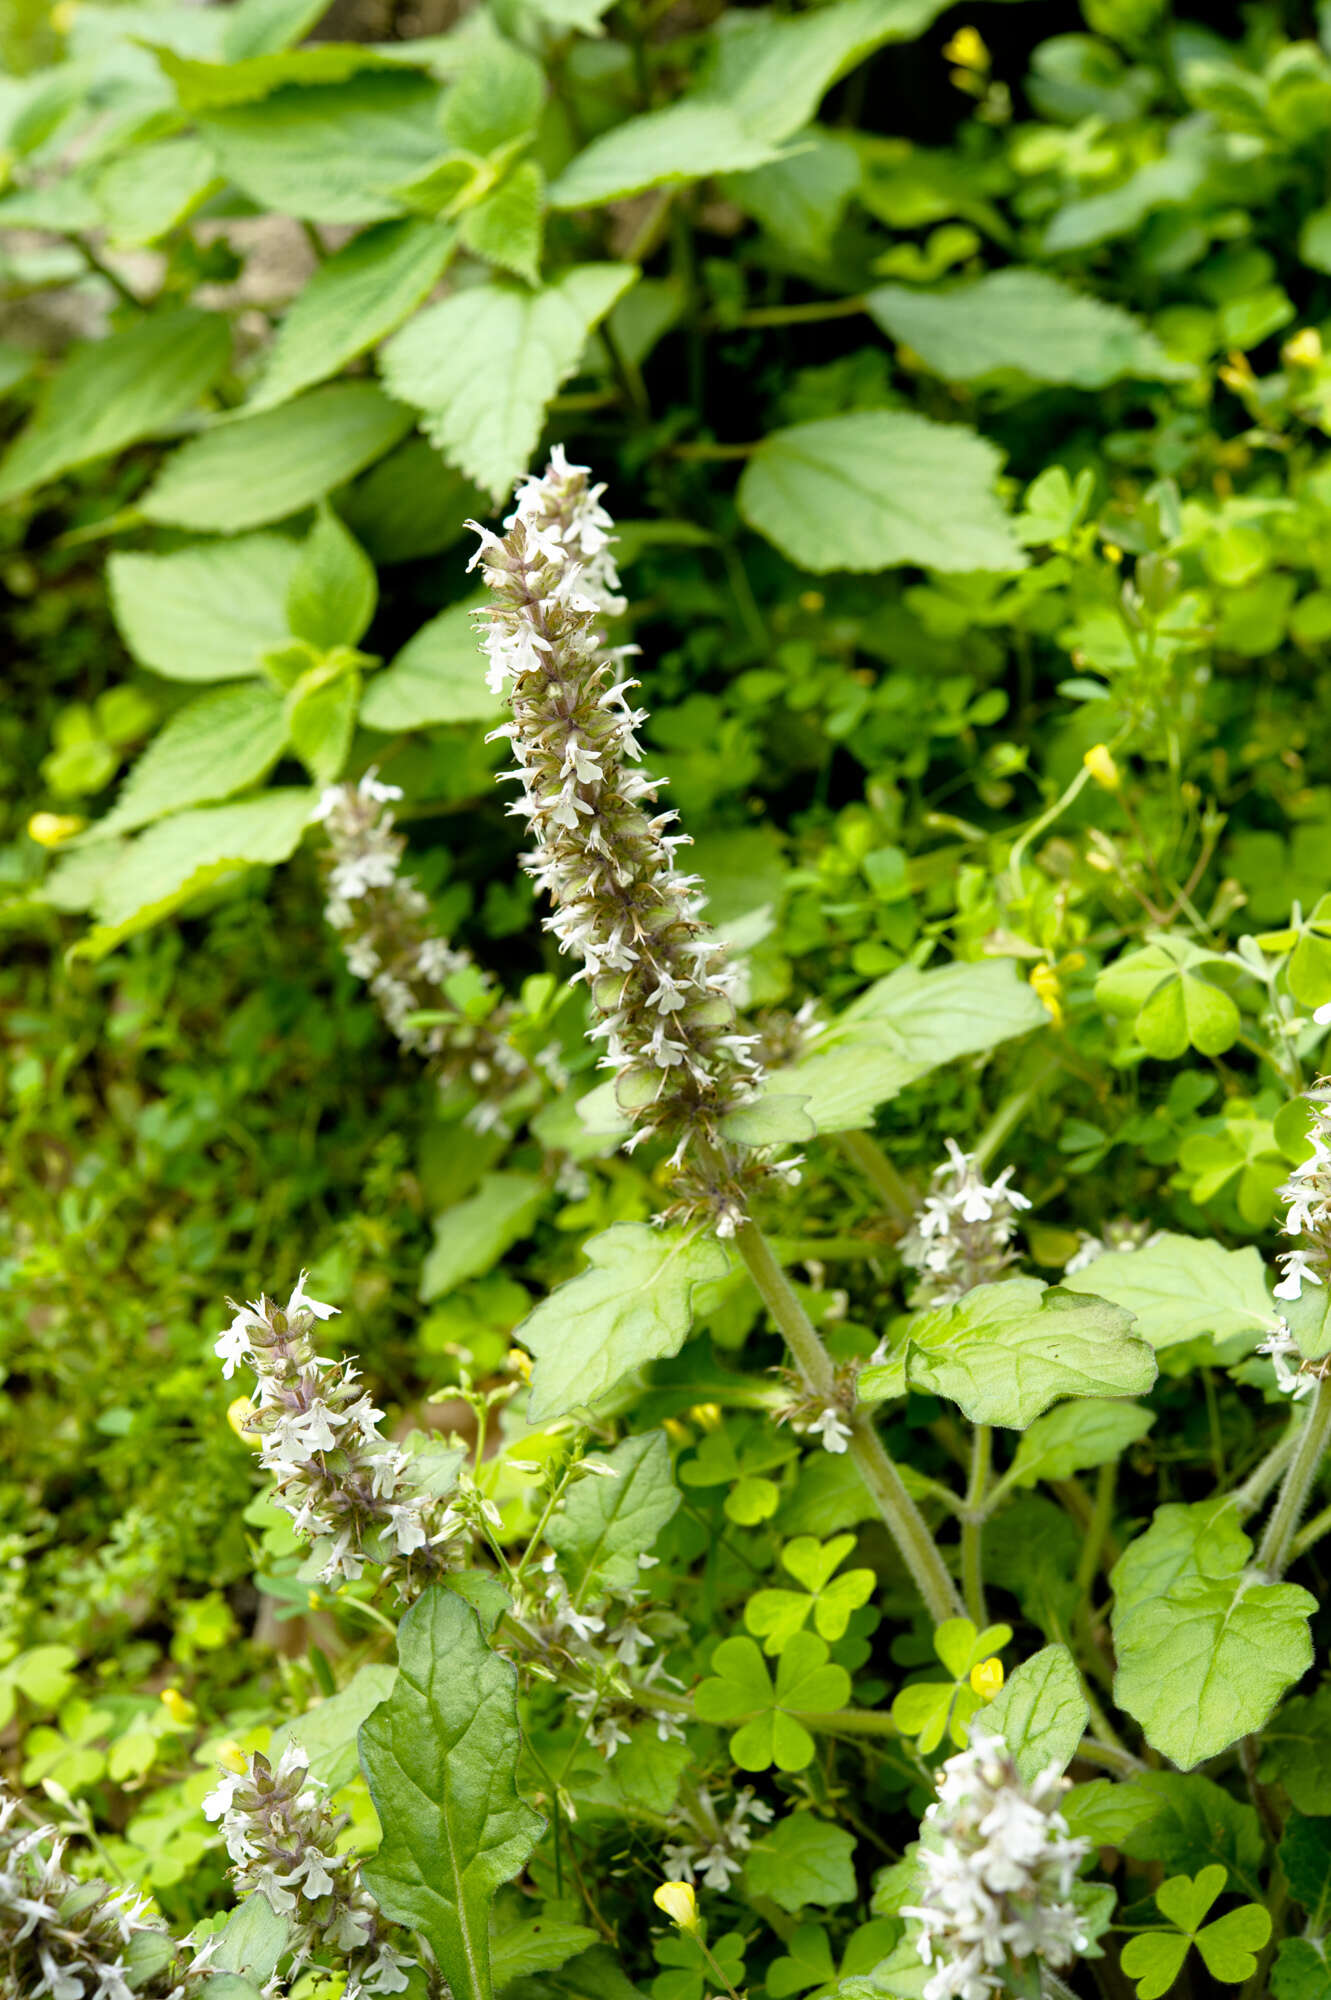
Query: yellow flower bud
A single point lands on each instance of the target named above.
(1049, 989)
(50, 829)
(1100, 763)
(1303, 349)
(677, 1432)
(238, 1415)
(707, 1416)
(176, 1706)
(1113, 553)
(232, 1758)
(987, 1679)
(520, 1362)
(679, 1903)
(967, 49)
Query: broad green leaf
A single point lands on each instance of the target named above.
(114, 391)
(1301, 1970)
(802, 1860)
(1023, 321)
(204, 87)
(204, 613)
(329, 1732)
(1077, 1435)
(483, 365)
(801, 197)
(471, 1238)
(254, 1940)
(1041, 1712)
(1105, 1812)
(154, 188)
(606, 1524)
(364, 291)
(496, 100)
(773, 70)
(1305, 1862)
(258, 27)
(687, 141)
(541, 1944)
(877, 489)
(1204, 1652)
(248, 471)
(320, 710)
(218, 743)
(507, 228)
(1296, 1751)
(410, 504)
(178, 858)
(439, 676)
(440, 1757)
(1006, 1351)
(331, 152)
(1196, 1821)
(808, 1962)
(902, 1027)
(1179, 1287)
(333, 590)
(632, 1305)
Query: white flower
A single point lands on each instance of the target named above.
(829, 1427)
(961, 1233)
(1280, 1344)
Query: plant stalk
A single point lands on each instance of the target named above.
(972, 1524)
(1277, 1543)
(879, 1171)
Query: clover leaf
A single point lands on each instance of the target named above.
(688, 1974)
(1228, 1946)
(739, 1457)
(741, 1691)
(926, 1709)
(776, 1615)
(1175, 1007)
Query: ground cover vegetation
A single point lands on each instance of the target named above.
(666, 882)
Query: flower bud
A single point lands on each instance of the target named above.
(52, 829)
(1100, 763)
(176, 1706)
(679, 1902)
(986, 1679)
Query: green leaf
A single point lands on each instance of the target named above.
(1179, 1287)
(439, 676)
(363, 293)
(483, 365)
(1301, 1970)
(1175, 1005)
(808, 1963)
(1024, 321)
(1154, 1959)
(114, 391)
(219, 743)
(1040, 1712)
(1196, 1821)
(877, 489)
(1296, 1751)
(774, 1615)
(203, 87)
(507, 226)
(164, 867)
(1105, 1812)
(155, 188)
(331, 152)
(1006, 1351)
(204, 613)
(409, 504)
(1305, 1862)
(741, 1691)
(257, 27)
(320, 713)
(541, 1944)
(440, 1757)
(606, 1524)
(329, 1732)
(774, 70)
(902, 1027)
(470, 1238)
(1204, 1652)
(687, 141)
(497, 99)
(333, 589)
(1076, 1436)
(801, 197)
(802, 1860)
(632, 1305)
(247, 471)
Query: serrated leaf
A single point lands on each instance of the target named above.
(1204, 1650)
(483, 365)
(204, 613)
(1040, 1712)
(606, 1524)
(878, 489)
(470, 1238)
(802, 1860)
(1004, 1352)
(1296, 1751)
(1179, 1287)
(439, 676)
(801, 197)
(1301, 1970)
(1075, 1436)
(496, 99)
(114, 391)
(320, 714)
(440, 1757)
(219, 743)
(1305, 1861)
(902, 1027)
(542, 1944)
(1197, 1821)
(248, 471)
(361, 295)
(686, 141)
(144, 194)
(333, 589)
(632, 1305)
(1024, 321)
(410, 504)
(506, 227)
(774, 69)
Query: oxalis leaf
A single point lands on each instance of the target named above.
(1204, 1650)
(632, 1306)
(440, 1757)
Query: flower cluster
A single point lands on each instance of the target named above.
(76, 1940)
(718, 1853)
(963, 1233)
(604, 854)
(281, 1835)
(382, 917)
(347, 1488)
(1120, 1234)
(1000, 1866)
(1296, 1382)
(1307, 1195)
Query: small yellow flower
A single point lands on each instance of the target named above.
(232, 1758)
(50, 829)
(677, 1432)
(176, 1706)
(707, 1416)
(1113, 553)
(1049, 989)
(967, 50)
(1100, 763)
(987, 1679)
(520, 1362)
(1303, 349)
(679, 1903)
(238, 1415)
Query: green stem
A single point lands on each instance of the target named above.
(1037, 826)
(1319, 1525)
(1254, 1489)
(902, 1518)
(807, 315)
(1101, 1515)
(1010, 1114)
(879, 1171)
(972, 1524)
(1277, 1543)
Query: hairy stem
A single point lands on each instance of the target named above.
(879, 1171)
(972, 1524)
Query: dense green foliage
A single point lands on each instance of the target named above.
(958, 387)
